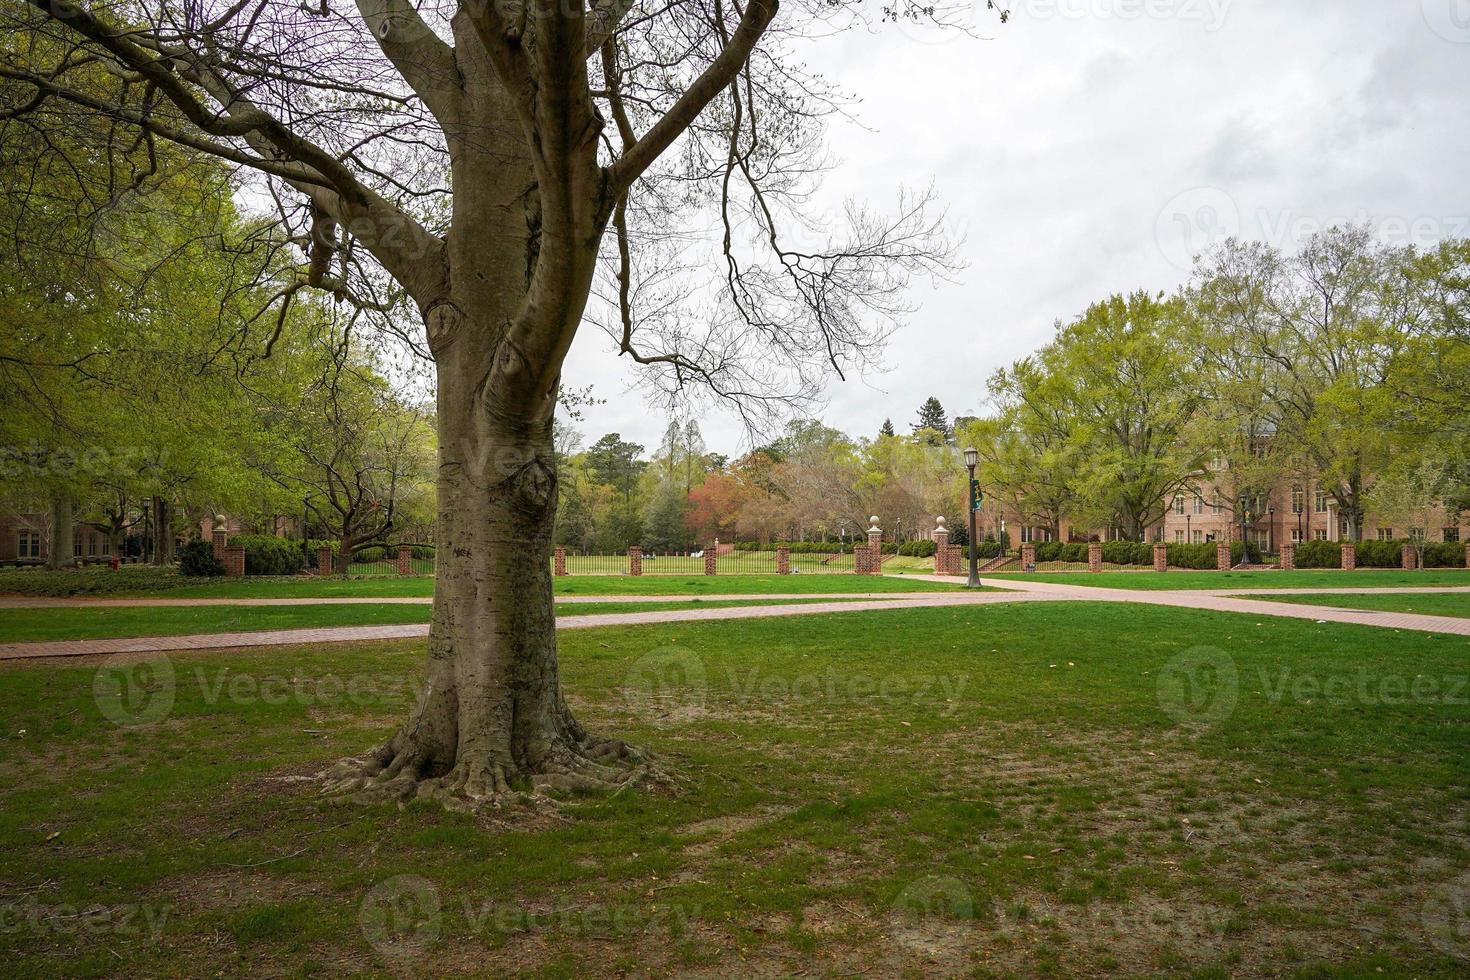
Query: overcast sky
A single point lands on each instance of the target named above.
(1091, 146)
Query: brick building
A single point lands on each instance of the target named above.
(1293, 510)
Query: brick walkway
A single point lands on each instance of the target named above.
(1022, 591)
(41, 602)
(341, 634)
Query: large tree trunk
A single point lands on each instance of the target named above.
(59, 548)
(163, 535)
(490, 718)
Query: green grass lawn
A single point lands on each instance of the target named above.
(572, 585)
(1026, 789)
(79, 623)
(1249, 581)
(1430, 604)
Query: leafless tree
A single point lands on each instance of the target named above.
(457, 162)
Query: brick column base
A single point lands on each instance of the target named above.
(783, 561)
(405, 560)
(559, 561)
(1467, 556)
(1409, 558)
(1028, 557)
(1094, 556)
(220, 540)
(234, 561)
(1349, 556)
(711, 560)
(635, 560)
(1288, 556)
(1161, 557)
(324, 561)
(1222, 556)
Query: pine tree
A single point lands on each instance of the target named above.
(887, 429)
(932, 417)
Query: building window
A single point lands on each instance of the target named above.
(1416, 534)
(1179, 503)
(1199, 504)
(1298, 500)
(1198, 536)
(1296, 536)
(28, 545)
(76, 545)
(1217, 505)
(1385, 534)
(1452, 535)
(1026, 535)
(1321, 502)
(91, 545)
(1320, 534)
(1179, 537)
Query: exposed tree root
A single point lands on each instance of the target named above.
(596, 767)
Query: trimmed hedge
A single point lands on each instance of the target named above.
(92, 580)
(918, 549)
(266, 554)
(1319, 554)
(196, 560)
(1390, 554)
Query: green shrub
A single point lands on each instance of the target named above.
(1128, 553)
(421, 552)
(1200, 556)
(1380, 554)
(1444, 554)
(1319, 554)
(196, 560)
(372, 553)
(92, 580)
(266, 554)
(918, 549)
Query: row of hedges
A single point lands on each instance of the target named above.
(266, 554)
(918, 549)
(92, 580)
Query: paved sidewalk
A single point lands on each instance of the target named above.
(1021, 591)
(340, 634)
(68, 602)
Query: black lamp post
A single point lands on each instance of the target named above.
(971, 458)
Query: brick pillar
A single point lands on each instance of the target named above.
(783, 561)
(405, 560)
(324, 561)
(1222, 555)
(1028, 557)
(941, 546)
(1349, 556)
(635, 560)
(220, 538)
(712, 559)
(1408, 558)
(234, 561)
(559, 561)
(875, 547)
(1161, 557)
(1467, 555)
(1288, 556)
(1094, 556)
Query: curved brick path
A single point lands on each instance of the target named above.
(1022, 591)
(42, 602)
(338, 634)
